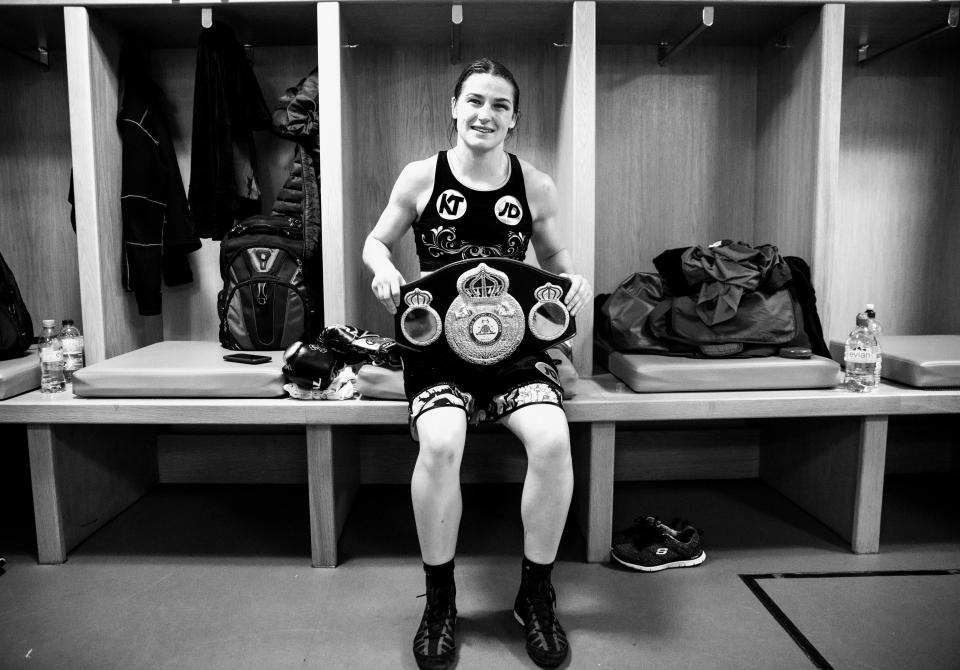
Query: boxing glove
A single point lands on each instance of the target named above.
(353, 345)
(310, 365)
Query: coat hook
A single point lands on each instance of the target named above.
(206, 17)
(456, 20)
(248, 52)
(665, 51)
(42, 58)
(953, 17)
(563, 41)
(349, 45)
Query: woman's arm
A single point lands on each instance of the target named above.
(552, 254)
(397, 216)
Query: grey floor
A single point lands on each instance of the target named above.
(219, 577)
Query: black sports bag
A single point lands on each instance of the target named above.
(16, 327)
(272, 292)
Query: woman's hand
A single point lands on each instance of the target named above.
(386, 286)
(579, 294)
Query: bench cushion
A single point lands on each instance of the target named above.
(180, 369)
(19, 375)
(646, 373)
(924, 361)
(387, 384)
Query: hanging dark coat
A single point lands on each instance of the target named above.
(158, 231)
(227, 107)
(295, 119)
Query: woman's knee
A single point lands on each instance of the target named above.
(549, 449)
(441, 433)
(441, 449)
(439, 454)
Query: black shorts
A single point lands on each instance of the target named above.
(484, 393)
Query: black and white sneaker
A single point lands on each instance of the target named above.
(651, 546)
(534, 609)
(434, 645)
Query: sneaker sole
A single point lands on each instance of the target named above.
(689, 563)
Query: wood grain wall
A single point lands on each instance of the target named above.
(676, 152)
(896, 240)
(36, 239)
(335, 139)
(576, 162)
(797, 106)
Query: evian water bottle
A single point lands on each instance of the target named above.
(873, 326)
(51, 359)
(860, 358)
(72, 342)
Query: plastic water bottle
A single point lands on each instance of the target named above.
(72, 342)
(51, 359)
(860, 358)
(875, 329)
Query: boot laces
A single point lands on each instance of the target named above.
(543, 600)
(437, 614)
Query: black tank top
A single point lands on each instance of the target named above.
(460, 223)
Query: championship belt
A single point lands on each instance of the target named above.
(485, 311)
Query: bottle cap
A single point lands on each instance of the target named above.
(49, 323)
(869, 305)
(66, 322)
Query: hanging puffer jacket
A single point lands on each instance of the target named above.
(295, 119)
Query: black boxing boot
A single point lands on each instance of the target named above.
(435, 645)
(534, 609)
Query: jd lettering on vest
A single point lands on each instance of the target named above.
(508, 210)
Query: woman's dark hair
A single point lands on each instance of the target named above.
(485, 65)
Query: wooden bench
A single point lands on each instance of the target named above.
(824, 449)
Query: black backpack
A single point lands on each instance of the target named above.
(16, 326)
(272, 285)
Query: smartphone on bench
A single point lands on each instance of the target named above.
(249, 359)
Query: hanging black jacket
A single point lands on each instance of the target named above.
(295, 118)
(158, 232)
(227, 107)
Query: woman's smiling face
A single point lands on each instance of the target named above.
(484, 111)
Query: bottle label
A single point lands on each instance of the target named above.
(51, 356)
(73, 346)
(860, 356)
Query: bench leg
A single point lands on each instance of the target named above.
(333, 475)
(83, 476)
(593, 456)
(834, 469)
(51, 542)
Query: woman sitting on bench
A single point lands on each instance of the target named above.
(477, 200)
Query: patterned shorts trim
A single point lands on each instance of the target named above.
(449, 395)
(532, 393)
(439, 395)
